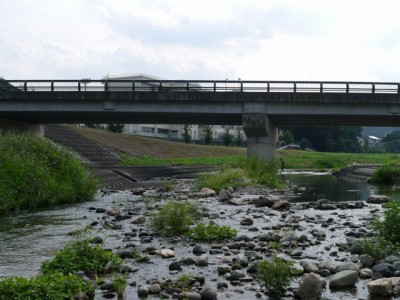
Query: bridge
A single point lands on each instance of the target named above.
(260, 106)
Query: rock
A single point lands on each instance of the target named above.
(100, 210)
(263, 202)
(366, 260)
(236, 275)
(380, 287)
(356, 248)
(125, 253)
(155, 288)
(281, 205)
(378, 199)
(247, 221)
(208, 293)
(107, 286)
(346, 278)
(167, 253)
(328, 265)
(365, 273)
(396, 265)
(224, 195)
(310, 287)
(192, 296)
(206, 192)
(385, 269)
(139, 220)
(252, 268)
(348, 266)
(142, 291)
(199, 250)
(202, 261)
(391, 259)
(175, 266)
(123, 268)
(309, 267)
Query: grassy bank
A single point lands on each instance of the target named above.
(38, 173)
(294, 159)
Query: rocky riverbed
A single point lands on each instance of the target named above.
(320, 237)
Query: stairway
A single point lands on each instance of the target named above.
(89, 152)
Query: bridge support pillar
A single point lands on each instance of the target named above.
(21, 127)
(262, 135)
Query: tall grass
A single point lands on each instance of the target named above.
(37, 173)
(248, 171)
(386, 174)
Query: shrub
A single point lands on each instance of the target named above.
(119, 281)
(262, 171)
(386, 174)
(389, 227)
(37, 173)
(80, 255)
(378, 247)
(56, 286)
(174, 218)
(275, 275)
(211, 232)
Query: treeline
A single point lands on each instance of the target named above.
(325, 139)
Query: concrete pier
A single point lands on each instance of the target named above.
(262, 135)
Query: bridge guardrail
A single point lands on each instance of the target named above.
(86, 85)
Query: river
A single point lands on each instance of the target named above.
(29, 238)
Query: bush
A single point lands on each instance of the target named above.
(262, 171)
(56, 286)
(174, 218)
(386, 174)
(378, 247)
(36, 173)
(80, 255)
(211, 232)
(389, 227)
(275, 275)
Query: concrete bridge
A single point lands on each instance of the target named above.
(260, 106)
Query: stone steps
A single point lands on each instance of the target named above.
(89, 152)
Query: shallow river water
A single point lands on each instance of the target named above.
(27, 239)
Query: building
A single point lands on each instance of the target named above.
(165, 131)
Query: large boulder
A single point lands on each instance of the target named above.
(346, 278)
(310, 287)
(208, 293)
(380, 287)
(378, 199)
(281, 205)
(385, 269)
(224, 195)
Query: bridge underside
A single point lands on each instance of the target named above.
(259, 113)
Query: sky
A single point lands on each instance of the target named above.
(322, 40)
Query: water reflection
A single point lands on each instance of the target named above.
(326, 186)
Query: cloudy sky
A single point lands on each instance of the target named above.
(208, 39)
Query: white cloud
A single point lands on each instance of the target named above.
(271, 40)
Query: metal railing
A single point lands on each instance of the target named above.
(86, 85)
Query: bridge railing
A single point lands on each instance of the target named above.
(86, 85)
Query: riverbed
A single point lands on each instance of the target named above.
(28, 239)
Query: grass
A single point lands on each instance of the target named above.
(212, 232)
(151, 161)
(386, 174)
(37, 173)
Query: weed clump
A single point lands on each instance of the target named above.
(174, 218)
(275, 275)
(37, 173)
(212, 232)
(386, 174)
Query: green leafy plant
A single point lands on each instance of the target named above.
(389, 227)
(386, 174)
(275, 275)
(211, 232)
(378, 247)
(174, 218)
(80, 255)
(120, 283)
(37, 173)
(226, 177)
(55, 286)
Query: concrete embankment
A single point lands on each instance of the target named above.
(358, 173)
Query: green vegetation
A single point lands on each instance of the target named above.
(186, 133)
(211, 232)
(120, 282)
(174, 218)
(80, 255)
(55, 286)
(387, 233)
(36, 173)
(386, 174)
(207, 134)
(248, 171)
(152, 161)
(275, 275)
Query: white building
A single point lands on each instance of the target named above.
(166, 131)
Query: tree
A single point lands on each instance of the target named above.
(227, 137)
(239, 137)
(303, 144)
(329, 138)
(116, 127)
(393, 136)
(287, 137)
(207, 134)
(186, 133)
